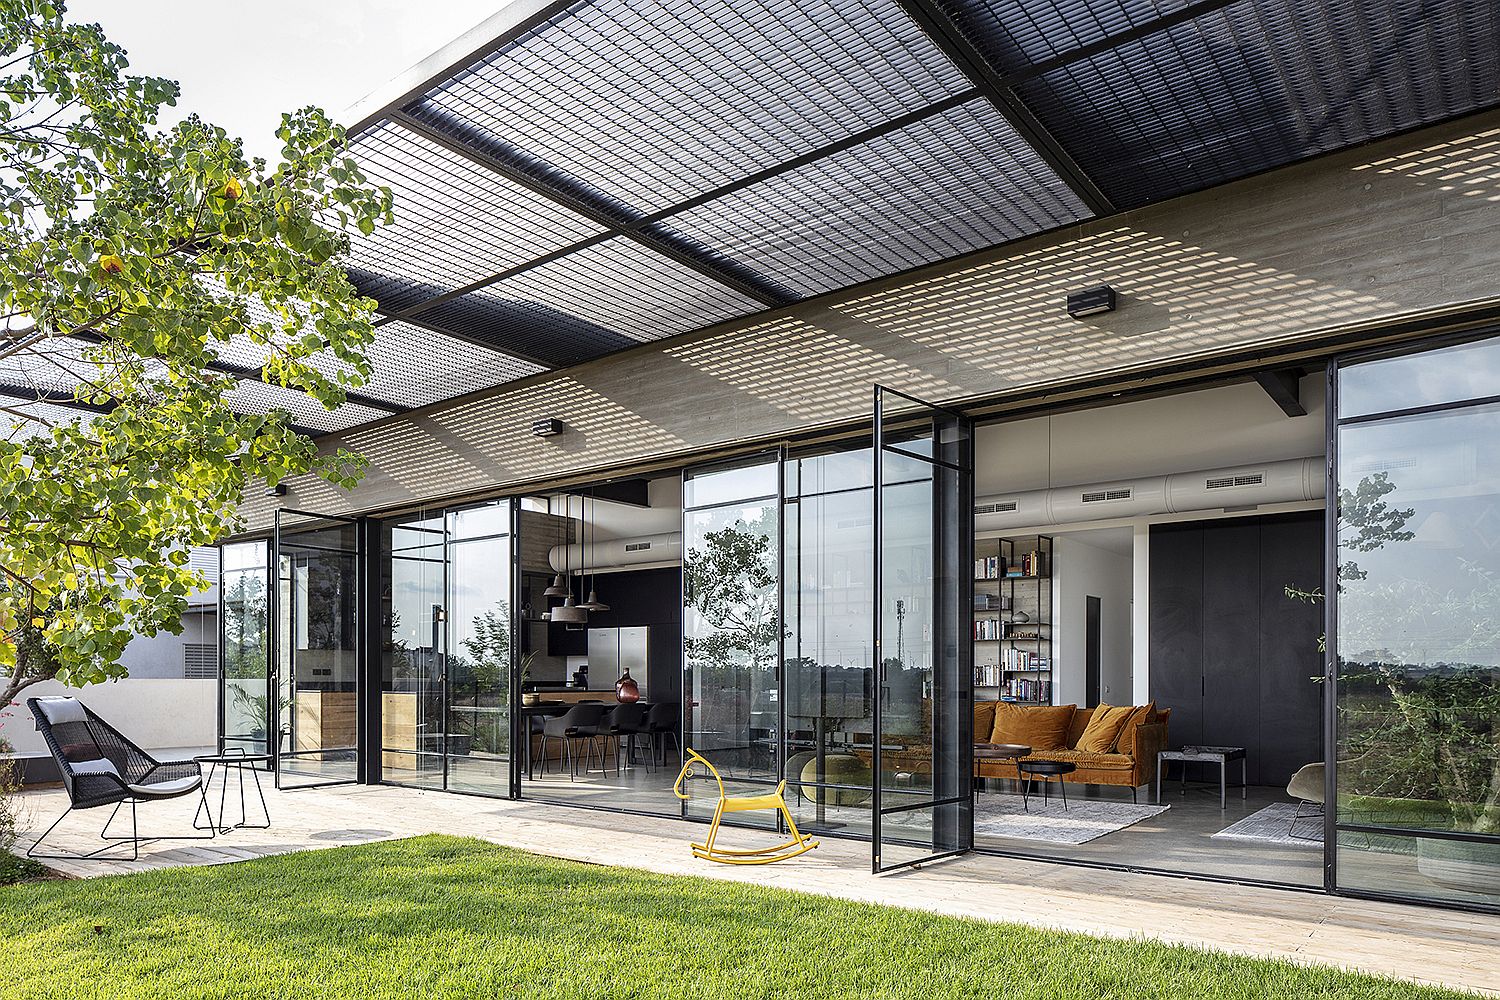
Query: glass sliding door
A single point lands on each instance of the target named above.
(480, 640)
(413, 597)
(828, 681)
(245, 657)
(923, 718)
(732, 627)
(316, 597)
(1415, 625)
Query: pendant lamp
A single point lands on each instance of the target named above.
(593, 603)
(557, 589)
(569, 612)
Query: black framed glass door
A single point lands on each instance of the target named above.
(923, 705)
(317, 561)
(1414, 626)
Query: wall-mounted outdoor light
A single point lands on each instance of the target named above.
(279, 490)
(546, 427)
(1091, 302)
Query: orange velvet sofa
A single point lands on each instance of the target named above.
(1130, 760)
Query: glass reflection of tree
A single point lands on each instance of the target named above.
(1419, 740)
(245, 650)
(481, 677)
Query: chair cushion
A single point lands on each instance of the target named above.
(167, 789)
(1104, 728)
(61, 710)
(97, 766)
(1041, 727)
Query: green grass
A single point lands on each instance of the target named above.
(447, 917)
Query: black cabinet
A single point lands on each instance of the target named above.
(1231, 655)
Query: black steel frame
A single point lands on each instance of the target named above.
(1331, 825)
(961, 782)
(273, 605)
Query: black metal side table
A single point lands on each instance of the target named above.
(222, 763)
(1045, 770)
(1218, 756)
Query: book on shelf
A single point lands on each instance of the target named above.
(987, 568)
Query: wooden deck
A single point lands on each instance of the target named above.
(1455, 949)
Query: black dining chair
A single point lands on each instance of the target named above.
(627, 722)
(663, 721)
(579, 723)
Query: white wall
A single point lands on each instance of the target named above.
(153, 713)
(1080, 571)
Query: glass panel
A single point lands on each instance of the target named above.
(706, 489)
(1418, 642)
(412, 598)
(1447, 375)
(318, 647)
(830, 639)
(730, 633)
(479, 642)
(924, 543)
(246, 571)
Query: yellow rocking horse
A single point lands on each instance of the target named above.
(799, 844)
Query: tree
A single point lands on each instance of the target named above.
(730, 581)
(130, 256)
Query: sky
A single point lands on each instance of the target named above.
(241, 66)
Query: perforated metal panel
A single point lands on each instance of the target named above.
(592, 302)
(258, 397)
(653, 102)
(942, 187)
(456, 222)
(411, 366)
(1017, 34)
(1264, 83)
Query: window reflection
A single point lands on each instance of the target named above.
(1419, 645)
(247, 654)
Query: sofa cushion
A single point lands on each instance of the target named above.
(984, 720)
(1041, 727)
(1077, 725)
(1104, 728)
(1088, 761)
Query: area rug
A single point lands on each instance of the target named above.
(1084, 819)
(1273, 825)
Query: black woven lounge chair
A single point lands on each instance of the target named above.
(100, 767)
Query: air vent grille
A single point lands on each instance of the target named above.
(1228, 482)
(1103, 496)
(998, 507)
(200, 660)
(637, 546)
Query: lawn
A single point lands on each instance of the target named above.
(447, 917)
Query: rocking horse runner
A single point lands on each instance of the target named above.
(775, 801)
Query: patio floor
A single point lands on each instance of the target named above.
(1460, 950)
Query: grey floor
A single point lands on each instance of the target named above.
(1181, 839)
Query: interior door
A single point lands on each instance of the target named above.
(923, 709)
(318, 564)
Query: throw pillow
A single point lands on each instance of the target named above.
(1125, 742)
(1041, 727)
(1104, 727)
(984, 720)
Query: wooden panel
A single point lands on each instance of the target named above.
(1231, 636)
(1291, 717)
(1176, 640)
(398, 729)
(324, 719)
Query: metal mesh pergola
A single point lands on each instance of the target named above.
(603, 173)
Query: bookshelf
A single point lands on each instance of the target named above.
(1013, 619)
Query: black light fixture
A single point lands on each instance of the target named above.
(593, 603)
(569, 612)
(279, 490)
(1091, 302)
(546, 427)
(557, 589)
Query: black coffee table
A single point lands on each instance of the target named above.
(1001, 751)
(1044, 769)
